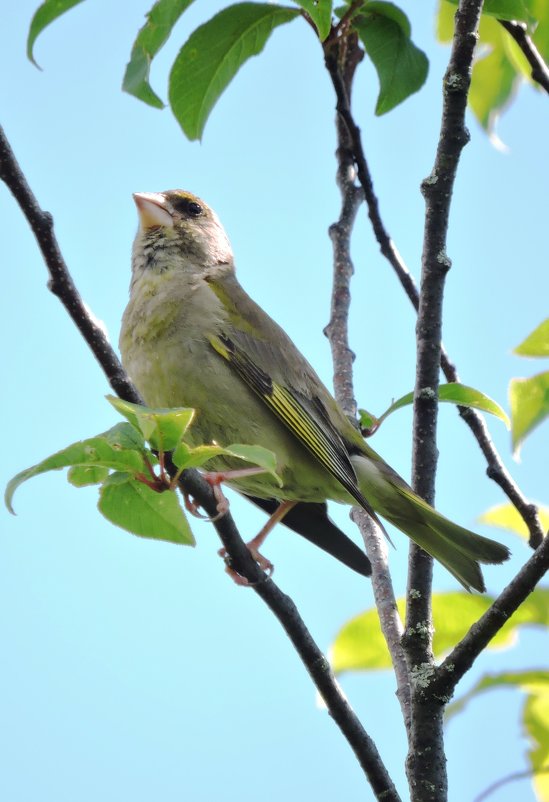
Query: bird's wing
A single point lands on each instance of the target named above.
(305, 417)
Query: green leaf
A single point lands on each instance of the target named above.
(453, 393)
(536, 724)
(257, 455)
(46, 13)
(96, 451)
(505, 9)
(368, 422)
(534, 683)
(390, 11)
(360, 645)
(84, 475)
(529, 400)
(494, 83)
(125, 436)
(505, 516)
(463, 396)
(499, 67)
(185, 457)
(138, 509)
(537, 343)
(212, 56)
(163, 428)
(445, 21)
(401, 66)
(540, 37)
(320, 11)
(151, 38)
(523, 680)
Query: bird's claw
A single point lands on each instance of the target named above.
(265, 565)
(193, 508)
(222, 505)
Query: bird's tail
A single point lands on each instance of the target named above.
(457, 548)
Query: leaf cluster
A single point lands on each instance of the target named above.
(213, 54)
(123, 463)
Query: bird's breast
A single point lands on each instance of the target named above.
(166, 352)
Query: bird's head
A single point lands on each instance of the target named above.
(177, 230)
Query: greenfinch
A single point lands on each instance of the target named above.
(191, 336)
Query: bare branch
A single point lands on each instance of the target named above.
(62, 285)
(519, 32)
(344, 56)
(460, 660)
(496, 469)
(343, 108)
(337, 330)
(426, 764)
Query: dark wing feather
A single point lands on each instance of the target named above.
(298, 413)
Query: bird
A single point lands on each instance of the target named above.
(191, 336)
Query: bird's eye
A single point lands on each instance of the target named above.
(194, 208)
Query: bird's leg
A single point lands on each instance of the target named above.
(255, 544)
(283, 508)
(214, 479)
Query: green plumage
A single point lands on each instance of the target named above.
(192, 337)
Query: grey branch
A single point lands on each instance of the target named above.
(342, 357)
(389, 617)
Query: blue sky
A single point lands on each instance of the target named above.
(134, 669)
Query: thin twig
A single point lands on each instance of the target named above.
(342, 357)
(526, 774)
(519, 32)
(337, 329)
(62, 285)
(496, 469)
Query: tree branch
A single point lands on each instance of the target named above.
(462, 657)
(344, 56)
(426, 761)
(389, 617)
(519, 32)
(496, 469)
(62, 285)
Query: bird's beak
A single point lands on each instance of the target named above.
(152, 210)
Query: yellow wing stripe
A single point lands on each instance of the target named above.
(308, 432)
(288, 409)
